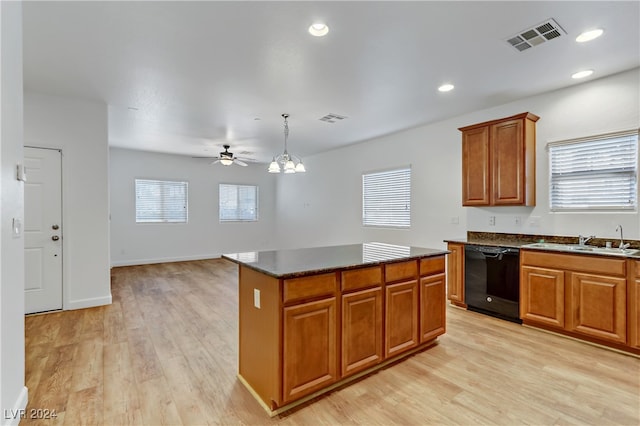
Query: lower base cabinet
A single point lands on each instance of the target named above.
(584, 295)
(432, 307)
(401, 317)
(309, 358)
(361, 330)
(598, 307)
(301, 335)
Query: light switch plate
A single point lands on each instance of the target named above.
(17, 227)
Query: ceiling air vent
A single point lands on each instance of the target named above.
(332, 118)
(544, 31)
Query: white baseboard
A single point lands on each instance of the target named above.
(13, 416)
(134, 262)
(87, 303)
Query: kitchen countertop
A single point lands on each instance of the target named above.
(522, 240)
(304, 261)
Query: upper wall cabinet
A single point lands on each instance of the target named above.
(499, 162)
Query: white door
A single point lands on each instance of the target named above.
(43, 230)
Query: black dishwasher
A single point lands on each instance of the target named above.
(492, 281)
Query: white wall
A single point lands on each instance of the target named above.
(203, 236)
(13, 393)
(323, 207)
(79, 129)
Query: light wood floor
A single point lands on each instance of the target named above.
(165, 353)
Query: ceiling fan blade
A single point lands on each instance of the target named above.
(240, 162)
(215, 162)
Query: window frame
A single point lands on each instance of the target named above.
(237, 186)
(369, 223)
(632, 207)
(140, 219)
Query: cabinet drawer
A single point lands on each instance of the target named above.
(355, 279)
(401, 271)
(582, 263)
(308, 287)
(432, 266)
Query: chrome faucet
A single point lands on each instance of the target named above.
(622, 244)
(583, 240)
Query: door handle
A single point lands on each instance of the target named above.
(55, 238)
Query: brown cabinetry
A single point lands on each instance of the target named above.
(584, 295)
(361, 320)
(455, 274)
(302, 335)
(633, 303)
(498, 162)
(310, 357)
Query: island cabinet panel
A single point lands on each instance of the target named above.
(355, 279)
(260, 328)
(401, 271)
(432, 307)
(598, 306)
(312, 286)
(455, 274)
(542, 295)
(633, 300)
(401, 322)
(362, 345)
(310, 355)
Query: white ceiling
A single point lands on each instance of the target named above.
(187, 77)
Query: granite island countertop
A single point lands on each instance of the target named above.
(305, 261)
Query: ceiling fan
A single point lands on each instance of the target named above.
(227, 158)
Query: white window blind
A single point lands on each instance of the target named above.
(386, 198)
(161, 201)
(238, 203)
(595, 173)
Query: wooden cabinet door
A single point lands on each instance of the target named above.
(361, 330)
(455, 274)
(634, 312)
(310, 348)
(598, 306)
(401, 325)
(475, 167)
(542, 296)
(432, 307)
(507, 163)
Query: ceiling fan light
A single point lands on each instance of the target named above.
(274, 167)
(289, 167)
(300, 168)
(226, 161)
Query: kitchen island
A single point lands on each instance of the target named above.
(313, 319)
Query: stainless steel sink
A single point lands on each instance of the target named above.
(577, 248)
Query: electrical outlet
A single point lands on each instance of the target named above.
(256, 298)
(492, 221)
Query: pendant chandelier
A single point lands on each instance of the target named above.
(285, 161)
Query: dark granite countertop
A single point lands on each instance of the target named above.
(520, 240)
(306, 261)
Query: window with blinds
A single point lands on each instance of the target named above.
(598, 173)
(386, 198)
(238, 203)
(160, 201)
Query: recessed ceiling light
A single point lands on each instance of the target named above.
(446, 87)
(582, 74)
(589, 35)
(318, 29)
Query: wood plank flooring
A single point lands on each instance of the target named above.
(165, 352)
